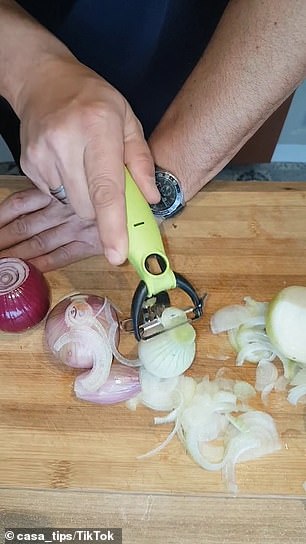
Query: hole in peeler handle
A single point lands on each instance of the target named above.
(155, 264)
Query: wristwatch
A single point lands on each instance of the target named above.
(172, 198)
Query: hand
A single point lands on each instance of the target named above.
(36, 227)
(78, 131)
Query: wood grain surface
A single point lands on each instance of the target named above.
(234, 239)
(154, 519)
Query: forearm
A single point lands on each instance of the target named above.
(25, 46)
(255, 60)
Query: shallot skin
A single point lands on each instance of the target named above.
(24, 295)
(76, 318)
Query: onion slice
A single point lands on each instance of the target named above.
(229, 317)
(120, 358)
(158, 393)
(101, 354)
(296, 393)
(266, 375)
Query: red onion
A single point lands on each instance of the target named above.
(83, 332)
(70, 323)
(121, 385)
(24, 295)
(77, 332)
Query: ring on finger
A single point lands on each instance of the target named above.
(60, 194)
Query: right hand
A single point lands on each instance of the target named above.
(78, 131)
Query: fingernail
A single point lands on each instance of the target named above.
(113, 256)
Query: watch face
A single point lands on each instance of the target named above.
(171, 195)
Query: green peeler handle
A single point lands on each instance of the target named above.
(145, 241)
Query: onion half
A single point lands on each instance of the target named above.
(24, 295)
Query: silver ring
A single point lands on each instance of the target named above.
(60, 194)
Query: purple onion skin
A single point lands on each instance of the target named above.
(25, 306)
(122, 384)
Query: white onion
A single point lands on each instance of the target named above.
(266, 375)
(281, 383)
(172, 317)
(299, 378)
(172, 352)
(254, 352)
(158, 393)
(296, 393)
(244, 390)
(193, 446)
(259, 438)
(229, 317)
(286, 322)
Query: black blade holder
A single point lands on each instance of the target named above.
(144, 309)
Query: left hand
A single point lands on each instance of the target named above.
(36, 227)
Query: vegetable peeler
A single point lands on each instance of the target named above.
(148, 257)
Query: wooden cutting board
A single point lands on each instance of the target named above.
(234, 239)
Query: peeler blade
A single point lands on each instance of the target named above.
(151, 324)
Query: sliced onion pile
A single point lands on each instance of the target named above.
(204, 414)
(212, 418)
(247, 325)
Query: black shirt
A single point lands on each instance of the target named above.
(145, 48)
